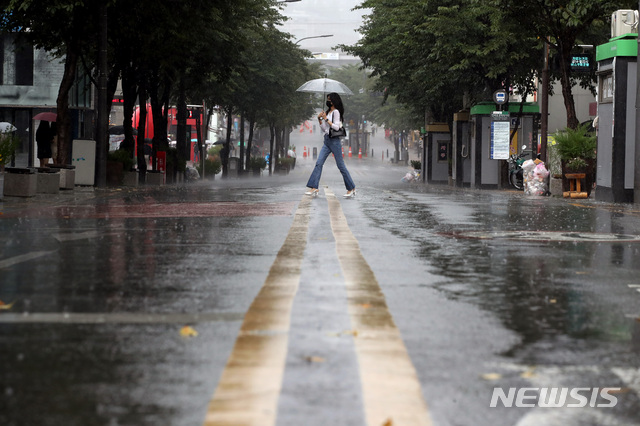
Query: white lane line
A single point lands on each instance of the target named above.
(391, 391)
(6, 263)
(116, 318)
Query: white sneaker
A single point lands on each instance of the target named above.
(350, 194)
(313, 192)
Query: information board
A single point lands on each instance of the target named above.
(500, 132)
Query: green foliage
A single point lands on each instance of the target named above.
(417, 165)
(257, 163)
(9, 142)
(122, 156)
(212, 167)
(430, 54)
(214, 150)
(577, 143)
(287, 161)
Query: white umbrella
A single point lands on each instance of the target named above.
(7, 127)
(325, 85)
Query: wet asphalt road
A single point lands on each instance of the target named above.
(103, 281)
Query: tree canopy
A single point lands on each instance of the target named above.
(441, 56)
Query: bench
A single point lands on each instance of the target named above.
(575, 186)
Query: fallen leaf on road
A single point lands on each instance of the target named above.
(315, 359)
(528, 374)
(4, 306)
(188, 331)
(365, 305)
(491, 376)
(354, 333)
(616, 390)
(389, 422)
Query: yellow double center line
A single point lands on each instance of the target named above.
(248, 391)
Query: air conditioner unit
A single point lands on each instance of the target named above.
(624, 21)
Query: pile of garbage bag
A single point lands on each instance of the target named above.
(536, 178)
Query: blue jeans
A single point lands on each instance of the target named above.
(331, 145)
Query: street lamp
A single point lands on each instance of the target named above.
(319, 36)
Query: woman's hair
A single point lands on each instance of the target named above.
(337, 102)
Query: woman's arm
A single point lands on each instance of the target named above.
(334, 121)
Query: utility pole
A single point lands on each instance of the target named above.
(544, 103)
(636, 170)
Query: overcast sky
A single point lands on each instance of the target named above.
(308, 18)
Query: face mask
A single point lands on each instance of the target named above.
(328, 104)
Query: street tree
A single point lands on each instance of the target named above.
(60, 28)
(438, 57)
(563, 24)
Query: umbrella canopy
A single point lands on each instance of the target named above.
(46, 116)
(7, 127)
(119, 130)
(325, 85)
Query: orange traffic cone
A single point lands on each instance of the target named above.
(349, 152)
(360, 153)
(304, 153)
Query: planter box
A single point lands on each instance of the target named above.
(555, 187)
(67, 175)
(115, 173)
(20, 182)
(130, 178)
(48, 181)
(155, 178)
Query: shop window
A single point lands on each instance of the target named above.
(17, 61)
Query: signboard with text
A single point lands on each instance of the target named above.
(500, 132)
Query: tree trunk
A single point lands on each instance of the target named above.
(224, 153)
(249, 142)
(271, 140)
(565, 81)
(142, 124)
(241, 165)
(63, 121)
(129, 90)
(182, 143)
(159, 97)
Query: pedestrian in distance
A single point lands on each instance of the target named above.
(43, 141)
(329, 120)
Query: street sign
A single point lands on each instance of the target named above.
(500, 97)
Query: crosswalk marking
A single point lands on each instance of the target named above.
(248, 391)
(391, 390)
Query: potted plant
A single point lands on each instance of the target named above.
(576, 149)
(284, 165)
(257, 164)
(417, 165)
(8, 144)
(118, 162)
(212, 167)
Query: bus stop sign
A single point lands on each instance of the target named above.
(500, 97)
